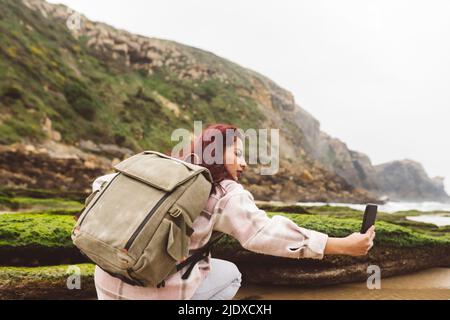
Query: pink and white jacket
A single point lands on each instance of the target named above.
(237, 215)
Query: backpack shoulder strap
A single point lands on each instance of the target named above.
(204, 252)
(221, 191)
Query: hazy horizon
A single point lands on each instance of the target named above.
(375, 74)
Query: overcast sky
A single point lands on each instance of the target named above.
(376, 74)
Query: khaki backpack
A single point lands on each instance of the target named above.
(137, 226)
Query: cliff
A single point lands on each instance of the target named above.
(96, 91)
(407, 180)
(397, 180)
(99, 92)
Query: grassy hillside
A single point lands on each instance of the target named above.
(46, 72)
(104, 91)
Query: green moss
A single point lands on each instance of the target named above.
(11, 275)
(60, 212)
(48, 230)
(52, 228)
(397, 218)
(387, 234)
(334, 211)
(42, 194)
(21, 203)
(46, 72)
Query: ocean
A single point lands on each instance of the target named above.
(439, 212)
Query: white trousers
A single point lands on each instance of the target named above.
(222, 282)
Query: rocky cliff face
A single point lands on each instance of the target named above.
(109, 93)
(51, 167)
(407, 180)
(354, 166)
(398, 180)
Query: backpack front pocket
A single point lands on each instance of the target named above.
(177, 244)
(162, 254)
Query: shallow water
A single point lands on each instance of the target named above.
(423, 285)
(391, 207)
(439, 220)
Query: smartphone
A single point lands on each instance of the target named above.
(370, 214)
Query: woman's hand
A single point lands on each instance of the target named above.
(356, 244)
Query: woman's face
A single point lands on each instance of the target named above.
(234, 159)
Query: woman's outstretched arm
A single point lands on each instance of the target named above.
(356, 244)
(280, 236)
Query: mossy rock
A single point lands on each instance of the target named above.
(29, 229)
(26, 203)
(46, 282)
(53, 230)
(392, 261)
(397, 218)
(42, 194)
(31, 239)
(397, 250)
(388, 234)
(33, 256)
(34, 239)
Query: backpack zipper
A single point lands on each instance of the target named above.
(99, 195)
(143, 223)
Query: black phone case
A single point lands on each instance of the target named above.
(370, 215)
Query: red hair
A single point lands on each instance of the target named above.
(207, 138)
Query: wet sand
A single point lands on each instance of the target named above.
(423, 285)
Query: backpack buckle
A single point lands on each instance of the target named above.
(76, 231)
(175, 212)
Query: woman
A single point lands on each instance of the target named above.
(231, 209)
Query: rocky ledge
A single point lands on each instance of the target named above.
(58, 170)
(36, 249)
(268, 270)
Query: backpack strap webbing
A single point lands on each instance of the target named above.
(201, 254)
(204, 252)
